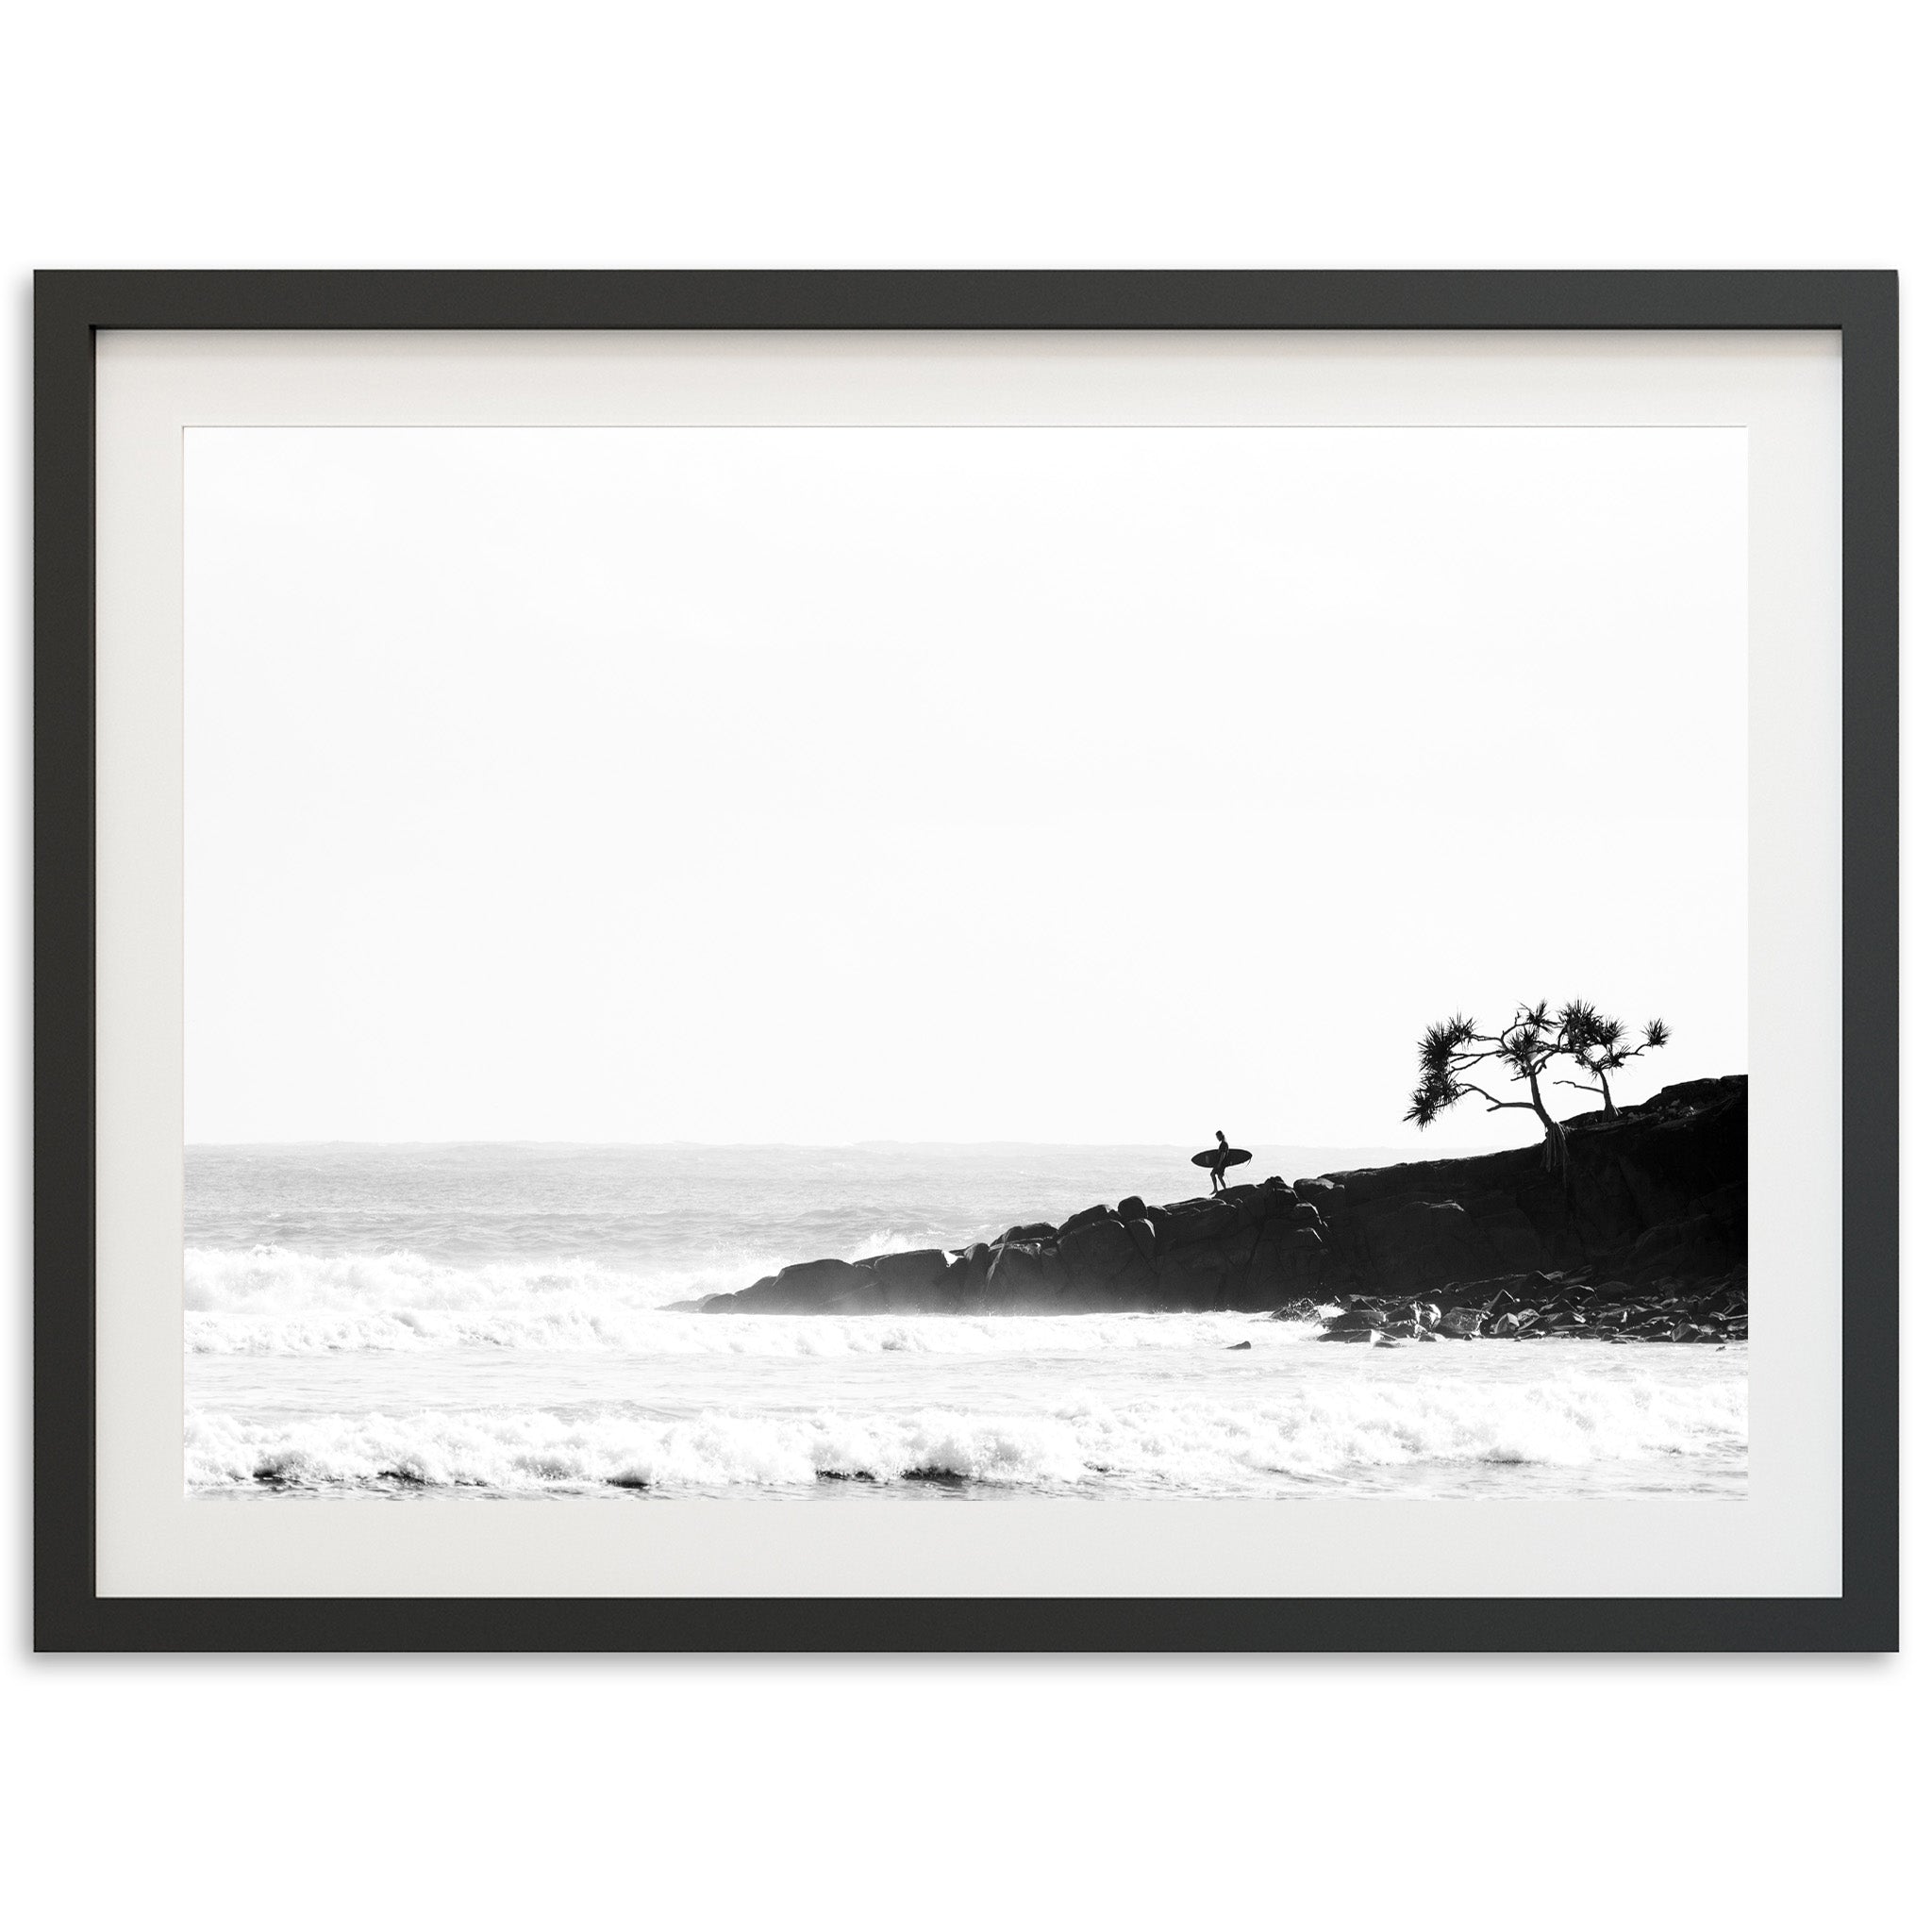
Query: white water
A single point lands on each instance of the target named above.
(1127, 1405)
(476, 1322)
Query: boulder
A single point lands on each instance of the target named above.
(963, 1284)
(802, 1288)
(1024, 1276)
(907, 1277)
(1087, 1216)
(1098, 1250)
(1203, 1224)
(1202, 1276)
(1349, 1319)
(866, 1296)
(972, 1262)
(1029, 1231)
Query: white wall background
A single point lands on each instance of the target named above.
(1686, 1792)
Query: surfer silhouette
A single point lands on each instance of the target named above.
(1217, 1172)
(1218, 1160)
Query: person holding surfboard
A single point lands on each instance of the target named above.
(1217, 1160)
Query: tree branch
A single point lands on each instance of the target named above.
(1497, 1105)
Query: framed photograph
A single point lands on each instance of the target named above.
(1002, 961)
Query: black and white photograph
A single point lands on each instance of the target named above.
(933, 965)
(959, 965)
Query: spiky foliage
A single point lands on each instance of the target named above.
(1600, 1045)
(1583, 1026)
(1443, 1052)
(1453, 1051)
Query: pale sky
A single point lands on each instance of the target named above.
(948, 784)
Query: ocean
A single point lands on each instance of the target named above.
(492, 1321)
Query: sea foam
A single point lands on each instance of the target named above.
(274, 1301)
(1181, 1447)
(271, 1300)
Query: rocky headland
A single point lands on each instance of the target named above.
(1641, 1238)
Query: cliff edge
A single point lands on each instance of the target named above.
(1653, 1205)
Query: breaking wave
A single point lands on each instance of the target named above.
(281, 1301)
(1150, 1448)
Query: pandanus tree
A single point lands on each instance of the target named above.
(1522, 1052)
(1600, 1045)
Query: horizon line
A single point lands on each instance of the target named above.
(821, 1146)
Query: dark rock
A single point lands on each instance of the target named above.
(866, 1296)
(908, 1279)
(1413, 1245)
(1031, 1231)
(1201, 1277)
(1097, 1251)
(1087, 1215)
(1348, 1320)
(1194, 1224)
(1646, 1236)
(967, 1271)
(1512, 1238)
(1015, 1273)
(804, 1287)
(1025, 1275)
(1232, 1346)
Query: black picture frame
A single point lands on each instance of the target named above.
(71, 307)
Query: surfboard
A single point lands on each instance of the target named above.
(1233, 1158)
